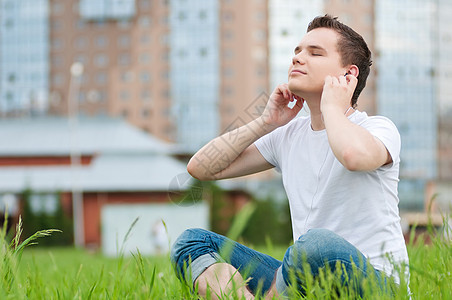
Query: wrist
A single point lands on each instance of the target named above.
(266, 126)
(331, 109)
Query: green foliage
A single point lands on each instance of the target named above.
(270, 221)
(11, 255)
(39, 221)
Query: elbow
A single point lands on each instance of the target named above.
(351, 160)
(195, 171)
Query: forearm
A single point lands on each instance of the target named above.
(219, 153)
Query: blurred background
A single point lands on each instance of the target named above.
(102, 103)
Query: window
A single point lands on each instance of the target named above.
(81, 97)
(57, 44)
(127, 76)
(165, 93)
(164, 39)
(81, 42)
(124, 24)
(228, 53)
(80, 24)
(101, 77)
(56, 25)
(44, 204)
(145, 77)
(144, 22)
(124, 59)
(124, 41)
(11, 78)
(145, 5)
(145, 39)
(182, 16)
(144, 58)
(58, 8)
(228, 72)
(124, 95)
(101, 41)
(58, 79)
(203, 15)
(203, 52)
(81, 58)
(228, 35)
(101, 60)
(145, 113)
(145, 95)
(228, 16)
(164, 74)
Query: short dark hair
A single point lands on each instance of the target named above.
(351, 47)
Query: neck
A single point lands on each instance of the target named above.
(317, 122)
(316, 115)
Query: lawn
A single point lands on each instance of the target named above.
(68, 273)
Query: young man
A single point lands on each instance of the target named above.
(339, 168)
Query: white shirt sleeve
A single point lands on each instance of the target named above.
(269, 147)
(385, 130)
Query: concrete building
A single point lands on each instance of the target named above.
(24, 57)
(406, 83)
(186, 71)
(124, 49)
(288, 21)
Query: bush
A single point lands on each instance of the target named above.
(34, 222)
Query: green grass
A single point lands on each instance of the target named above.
(68, 273)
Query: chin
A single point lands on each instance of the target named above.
(296, 88)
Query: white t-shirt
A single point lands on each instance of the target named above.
(362, 207)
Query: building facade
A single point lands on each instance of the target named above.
(186, 71)
(24, 57)
(406, 42)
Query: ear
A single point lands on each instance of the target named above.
(353, 70)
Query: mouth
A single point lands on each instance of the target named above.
(294, 72)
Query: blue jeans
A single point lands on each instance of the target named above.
(197, 249)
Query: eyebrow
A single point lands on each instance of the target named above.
(312, 47)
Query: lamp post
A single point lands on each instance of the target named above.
(75, 155)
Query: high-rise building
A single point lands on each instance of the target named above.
(24, 57)
(194, 75)
(124, 47)
(288, 21)
(444, 88)
(186, 70)
(406, 43)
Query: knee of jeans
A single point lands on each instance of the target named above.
(184, 240)
(309, 248)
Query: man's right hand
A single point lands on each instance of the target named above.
(234, 154)
(277, 112)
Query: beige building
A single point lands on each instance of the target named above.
(362, 19)
(125, 64)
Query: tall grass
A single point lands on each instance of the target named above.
(68, 273)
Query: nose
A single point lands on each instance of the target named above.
(297, 59)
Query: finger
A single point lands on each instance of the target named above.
(328, 80)
(285, 92)
(335, 80)
(352, 81)
(342, 80)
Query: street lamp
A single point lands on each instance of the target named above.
(77, 191)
